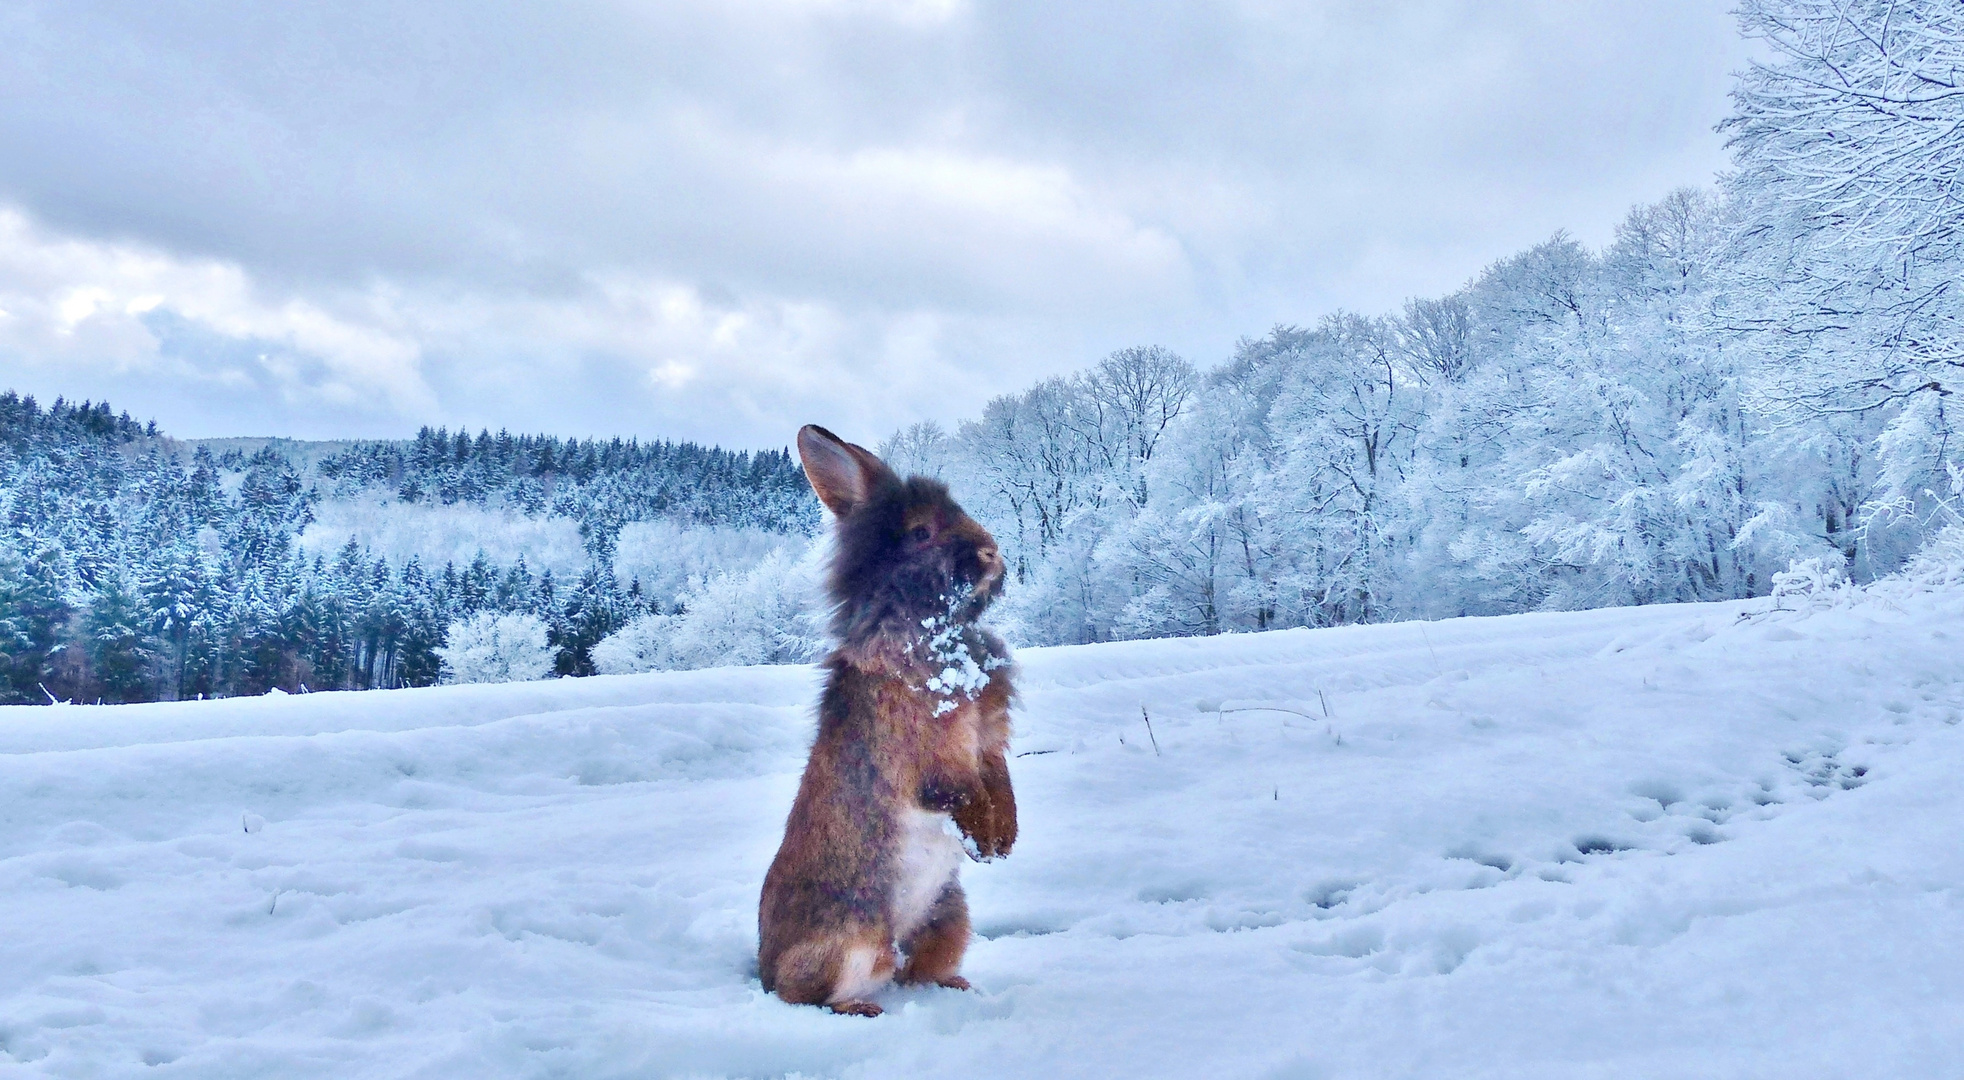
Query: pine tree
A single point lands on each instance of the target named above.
(15, 652)
(121, 652)
(593, 610)
(175, 594)
(35, 606)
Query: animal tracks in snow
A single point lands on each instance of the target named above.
(1555, 770)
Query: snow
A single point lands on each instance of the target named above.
(1696, 840)
(961, 661)
(399, 531)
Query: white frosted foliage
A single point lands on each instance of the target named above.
(768, 614)
(493, 648)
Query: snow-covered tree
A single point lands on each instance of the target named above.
(919, 449)
(120, 651)
(768, 614)
(491, 647)
(1851, 237)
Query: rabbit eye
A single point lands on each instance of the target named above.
(920, 534)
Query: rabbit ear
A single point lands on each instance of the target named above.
(841, 474)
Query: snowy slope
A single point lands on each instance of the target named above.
(1706, 840)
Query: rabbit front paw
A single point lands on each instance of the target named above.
(988, 833)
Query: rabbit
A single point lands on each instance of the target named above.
(909, 767)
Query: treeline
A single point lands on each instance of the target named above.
(601, 484)
(1742, 378)
(133, 570)
(1572, 429)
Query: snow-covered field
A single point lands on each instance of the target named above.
(1681, 841)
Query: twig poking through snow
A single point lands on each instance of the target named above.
(1271, 708)
(1149, 734)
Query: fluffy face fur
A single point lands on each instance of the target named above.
(907, 553)
(910, 555)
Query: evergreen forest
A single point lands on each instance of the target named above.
(137, 568)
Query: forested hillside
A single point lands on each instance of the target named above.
(1744, 377)
(135, 568)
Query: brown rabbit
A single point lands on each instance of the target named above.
(912, 728)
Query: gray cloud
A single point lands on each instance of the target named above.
(718, 220)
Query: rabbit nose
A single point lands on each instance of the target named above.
(989, 557)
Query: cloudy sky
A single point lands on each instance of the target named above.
(719, 220)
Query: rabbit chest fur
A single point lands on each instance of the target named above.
(927, 856)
